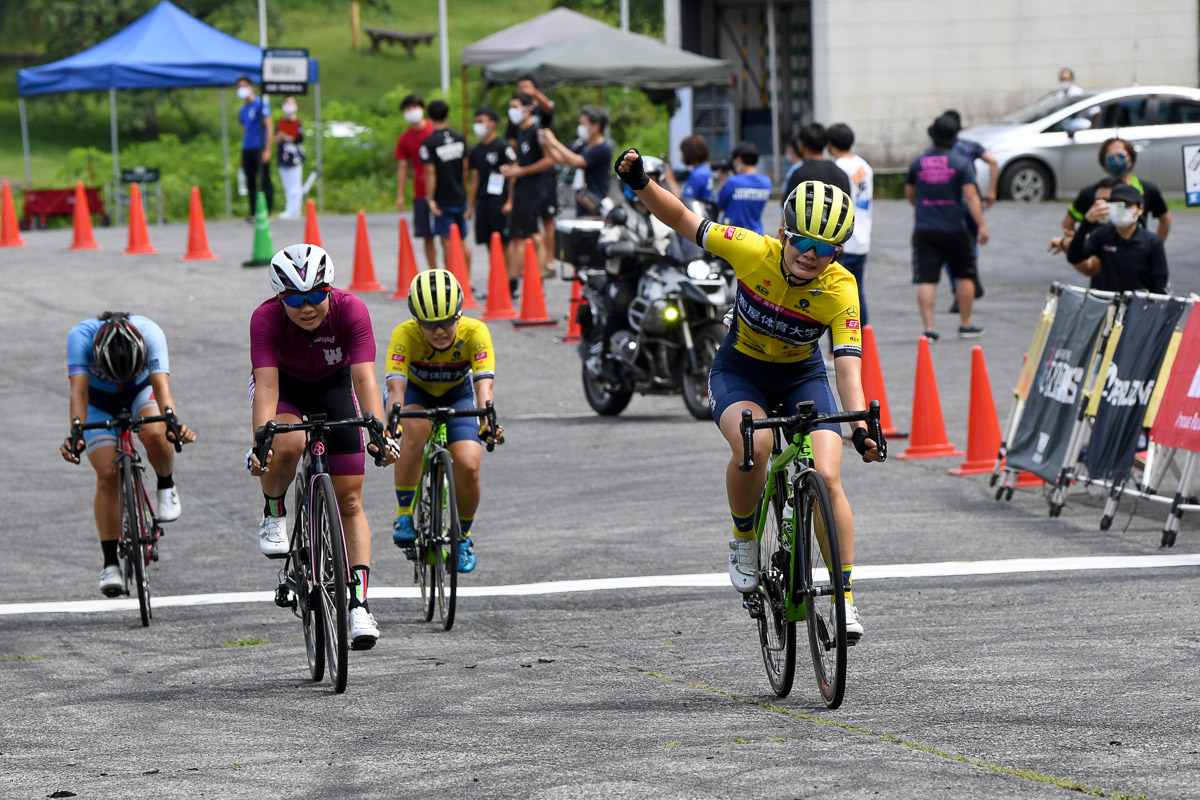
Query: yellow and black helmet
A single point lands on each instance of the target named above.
(435, 296)
(820, 211)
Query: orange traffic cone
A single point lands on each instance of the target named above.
(364, 266)
(406, 269)
(533, 301)
(83, 222)
(499, 297)
(10, 232)
(458, 267)
(197, 235)
(139, 237)
(983, 425)
(574, 332)
(312, 232)
(928, 439)
(872, 383)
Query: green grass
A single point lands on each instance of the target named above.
(245, 642)
(25, 657)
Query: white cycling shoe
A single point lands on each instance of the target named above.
(363, 630)
(112, 583)
(273, 537)
(169, 508)
(854, 626)
(743, 564)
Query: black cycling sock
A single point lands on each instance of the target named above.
(165, 481)
(110, 552)
(358, 597)
(274, 506)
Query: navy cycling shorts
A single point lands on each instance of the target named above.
(737, 377)
(458, 429)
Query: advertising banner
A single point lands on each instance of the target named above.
(1044, 432)
(1128, 386)
(1178, 420)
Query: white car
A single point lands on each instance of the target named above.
(1052, 147)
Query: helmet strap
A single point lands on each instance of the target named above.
(791, 279)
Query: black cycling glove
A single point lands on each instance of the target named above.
(859, 437)
(636, 178)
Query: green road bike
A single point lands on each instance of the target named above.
(435, 511)
(798, 556)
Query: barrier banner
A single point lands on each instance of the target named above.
(1044, 432)
(1178, 421)
(1128, 386)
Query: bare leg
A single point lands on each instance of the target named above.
(926, 293)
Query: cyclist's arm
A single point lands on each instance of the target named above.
(483, 392)
(362, 375)
(161, 383)
(848, 372)
(396, 386)
(670, 210)
(266, 396)
(79, 397)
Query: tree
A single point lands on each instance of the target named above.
(645, 16)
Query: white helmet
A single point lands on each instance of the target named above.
(300, 267)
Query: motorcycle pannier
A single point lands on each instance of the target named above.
(577, 242)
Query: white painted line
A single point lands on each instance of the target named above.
(703, 580)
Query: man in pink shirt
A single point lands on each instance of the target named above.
(408, 151)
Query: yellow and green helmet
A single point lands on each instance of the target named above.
(820, 211)
(435, 296)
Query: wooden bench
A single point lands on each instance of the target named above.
(409, 40)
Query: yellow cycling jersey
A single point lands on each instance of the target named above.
(775, 320)
(410, 356)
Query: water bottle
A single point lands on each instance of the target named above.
(788, 514)
(242, 189)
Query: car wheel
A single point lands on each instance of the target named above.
(1027, 181)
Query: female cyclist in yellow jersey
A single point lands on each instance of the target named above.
(430, 358)
(790, 291)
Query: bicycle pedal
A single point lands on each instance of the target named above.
(410, 553)
(283, 597)
(154, 553)
(753, 605)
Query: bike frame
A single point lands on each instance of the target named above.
(798, 454)
(313, 464)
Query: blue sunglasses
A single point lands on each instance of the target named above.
(805, 243)
(298, 299)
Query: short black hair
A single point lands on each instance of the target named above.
(953, 114)
(245, 78)
(840, 136)
(525, 99)
(813, 137)
(439, 110)
(489, 112)
(595, 115)
(530, 78)
(745, 152)
(1108, 183)
(412, 100)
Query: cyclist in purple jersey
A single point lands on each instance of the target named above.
(313, 352)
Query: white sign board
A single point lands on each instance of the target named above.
(285, 72)
(1191, 173)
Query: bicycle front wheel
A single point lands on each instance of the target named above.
(329, 579)
(133, 526)
(776, 633)
(447, 530)
(427, 537)
(309, 604)
(819, 582)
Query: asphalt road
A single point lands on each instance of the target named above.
(1014, 684)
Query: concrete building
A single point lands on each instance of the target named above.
(888, 67)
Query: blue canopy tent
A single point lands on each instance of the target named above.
(166, 48)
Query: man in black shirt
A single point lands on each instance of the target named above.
(490, 198)
(1120, 255)
(543, 114)
(527, 191)
(443, 154)
(592, 153)
(816, 166)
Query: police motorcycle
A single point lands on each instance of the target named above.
(650, 320)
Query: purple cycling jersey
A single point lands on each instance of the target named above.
(344, 337)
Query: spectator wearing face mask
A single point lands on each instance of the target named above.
(1118, 157)
(443, 156)
(528, 189)
(1119, 254)
(288, 136)
(1066, 84)
(541, 108)
(255, 118)
(816, 167)
(408, 152)
(745, 193)
(490, 197)
(591, 155)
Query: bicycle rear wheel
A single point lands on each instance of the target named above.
(133, 524)
(776, 633)
(446, 528)
(329, 580)
(819, 580)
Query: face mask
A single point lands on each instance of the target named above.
(289, 109)
(480, 129)
(1064, 85)
(414, 116)
(1123, 216)
(243, 92)
(1117, 164)
(516, 115)
(582, 132)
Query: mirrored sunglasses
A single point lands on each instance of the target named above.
(298, 299)
(445, 324)
(805, 243)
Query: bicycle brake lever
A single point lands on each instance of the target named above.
(876, 430)
(747, 441)
(175, 438)
(265, 437)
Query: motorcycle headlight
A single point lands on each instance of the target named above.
(698, 270)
